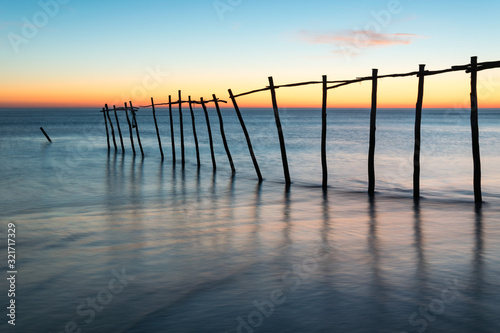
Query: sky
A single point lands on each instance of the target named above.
(69, 53)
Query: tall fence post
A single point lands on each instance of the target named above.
(214, 164)
(106, 124)
(119, 129)
(194, 133)
(223, 135)
(247, 136)
(136, 128)
(418, 126)
(476, 154)
(284, 158)
(373, 129)
(172, 137)
(156, 126)
(182, 132)
(324, 162)
(111, 125)
(130, 129)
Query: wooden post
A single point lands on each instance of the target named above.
(106, 124)
(418, 125)
(119, 129)
(476, 153)
(324, 162)
(284, 158)
(156, 126)
(224, 140)
(172, 137)
(130, 129)
(136, 128)
(247, 136)
(182, 131)
(214, 164)
(47, 136)
(194, 133)
(373, 128)
(111, 125)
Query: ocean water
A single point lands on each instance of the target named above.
(109, 242)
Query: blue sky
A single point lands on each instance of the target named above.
(92, 49)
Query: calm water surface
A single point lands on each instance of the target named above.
(113, 243)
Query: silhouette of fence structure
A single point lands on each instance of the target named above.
(473, 68)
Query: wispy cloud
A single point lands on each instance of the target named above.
(357, 39)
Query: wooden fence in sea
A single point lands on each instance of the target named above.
(473, 68)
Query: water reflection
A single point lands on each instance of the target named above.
(422, 267)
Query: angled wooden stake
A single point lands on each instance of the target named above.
(247, 136)
(224, 140)
(194, 133)
(214, 164)
(156, 126)
(284, 158)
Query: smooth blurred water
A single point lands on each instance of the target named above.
(214, 253)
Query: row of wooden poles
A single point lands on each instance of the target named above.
(473, 68)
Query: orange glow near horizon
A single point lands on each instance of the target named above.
(441, 91)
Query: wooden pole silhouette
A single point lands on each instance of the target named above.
(247, 136)
(475, 133)
(130, 129)
(119, 129)
(194, 133)
(214, 164)
(47, 136)
(106, 124)
(136, 128)
(284, 158)
(172, 137)
(111, 125)
(324, 162)
(418, 126)
(156, 126)
(224, 140)
(182, 131)
(373, 128)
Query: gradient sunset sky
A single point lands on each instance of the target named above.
(59, 53)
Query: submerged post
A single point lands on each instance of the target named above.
(324, 163)
(182, 131)
(194, 133)
(214, 164)
(284, 158)
(106, 124)
(172, 137)
(224, 140)
(136, 128)
(418, 125)
(130, 129)
(47, 136)
(373, 128)
(476, 154)
(247, 136)
(111, 125)
(119, 129)
(156, 126)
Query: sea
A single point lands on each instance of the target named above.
(109, 241)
